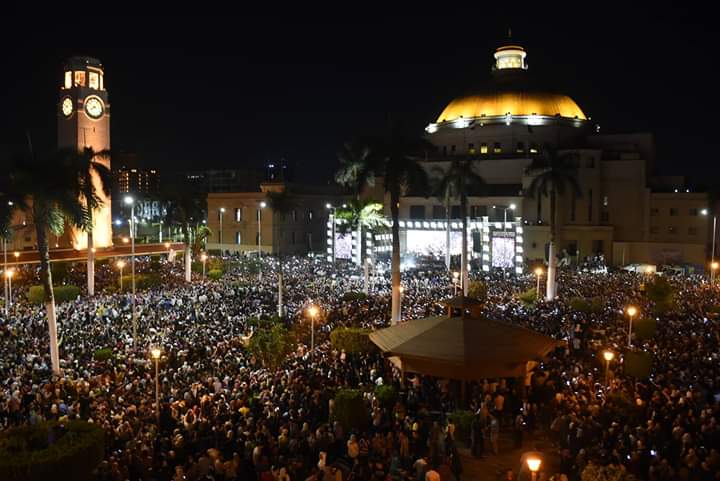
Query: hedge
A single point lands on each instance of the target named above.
(477, 290)
(463, 423)
(142, 281)
(528, 297)
(215, 274)
(387, 395)
(354, 296)
(27, 455)
(103, 354)
(645, 328)
(350, 409)
(352, 339)
(36, 294)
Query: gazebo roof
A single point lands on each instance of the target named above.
(462, 347)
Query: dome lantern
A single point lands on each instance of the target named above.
(510, 57)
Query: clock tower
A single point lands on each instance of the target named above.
(84, 121)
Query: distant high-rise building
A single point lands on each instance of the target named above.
(132, 178)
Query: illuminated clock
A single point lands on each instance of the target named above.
(94, 107)
(67, 106)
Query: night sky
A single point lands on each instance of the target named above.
(242, 91)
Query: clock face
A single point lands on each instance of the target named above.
(94, 107)
(67, 106)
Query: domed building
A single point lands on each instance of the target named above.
(623, 213)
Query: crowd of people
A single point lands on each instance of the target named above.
(225, 416)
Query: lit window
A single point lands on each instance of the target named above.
(79, 79)
(68, 80)
(102, 87)
(605, 200)
(483, 148)
(238, 215)
(533, 148)
(471, 148)
(238, 238)
(93, 82)
(497, 149)
(310, 214)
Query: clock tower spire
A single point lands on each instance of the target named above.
(84, 121)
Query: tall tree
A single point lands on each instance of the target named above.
(460, 179)
(554, 174)
(281, 203)
(355, 171)
(185, 209)
(359, 214)
(397, 159)
(53, 185)
(95, 181)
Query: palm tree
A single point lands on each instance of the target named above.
(359, 214)
(397, 160)
(555, 173)
(91, 165)
(281, 203)
(355, 168)
(53, 186)
(184, 209)
(445, 194)
(461, 179)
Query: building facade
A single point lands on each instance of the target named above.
(505, 126)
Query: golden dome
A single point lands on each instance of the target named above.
(516, 103)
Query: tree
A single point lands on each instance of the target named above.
(95, 180)
(185, 209)
(555, 173)
(397, 160)
(460, 178)
(53, 184)
(445, 193)
(355, 168)
(281, 203)
(359, 214)
(271, 345)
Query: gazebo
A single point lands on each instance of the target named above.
(462, 345)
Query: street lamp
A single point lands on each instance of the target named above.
(120, 265)
(312, 311)
(534, 466)
(538, 274)
(9, 275)
(203, 258)
(511, 207)
(222, 211)
(456, 278)
(155, 353)
(608, 355)
(402, 292)
(131, 202)
(263, 204)
(631, 311)
(713, 267)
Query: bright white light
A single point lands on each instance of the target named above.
(263, 205)
(328, 206)
(460, 123)
(431, 128)
(129, 200)
(704, 212)
(512, 206)
(222, 209)
(118, 222)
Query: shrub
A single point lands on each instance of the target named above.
(611, 472)
(386, 394)
(103, 354)
(463, 421)
(215, 274)
(352, 339)
(26, 453)
(142, 281)
(60, 271)
(354, 296)
(661, 293)
(477, 290)
(529, 297)
(645, 328)
(638, 364)
(580, 304)
(350, 409)
(271, 345)
(36, 294)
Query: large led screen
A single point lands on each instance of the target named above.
(432, 242)
(503, 252)
(343, 246)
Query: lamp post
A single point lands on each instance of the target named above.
(631, 311)
(534, 466)
(712, 252)
(131, 202)
(312, 311)
(608, 355)
(9, 275)
(262, 204)
(511, 207)
(160, 231)
(120, 265)
(456, 277)
(222, 211)
(203, 258)
(538, 274)
(5, 282)
(155, 352)
(713, 267)
(402, 292)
